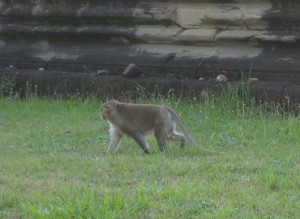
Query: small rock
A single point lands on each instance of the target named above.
(41, 69)
(102, 72)
(132, 71)
(252, 80)
(201, 79)
(11, 66)
(171, 76)
(222, 78)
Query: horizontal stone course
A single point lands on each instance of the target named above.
(191, 39)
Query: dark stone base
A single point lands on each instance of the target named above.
(63, 84)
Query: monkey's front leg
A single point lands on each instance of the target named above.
(116, 136)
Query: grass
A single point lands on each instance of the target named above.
(53, 163)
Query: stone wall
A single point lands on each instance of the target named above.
(190, 39)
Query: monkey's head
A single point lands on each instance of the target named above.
(110, 110)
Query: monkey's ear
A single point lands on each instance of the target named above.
(119, 107)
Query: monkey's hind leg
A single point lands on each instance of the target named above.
(161, 140)
(176, 136)
(142, 142)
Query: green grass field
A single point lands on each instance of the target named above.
(53, 163)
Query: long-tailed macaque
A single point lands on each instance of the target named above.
(140, 120)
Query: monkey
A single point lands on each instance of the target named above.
(139, 121)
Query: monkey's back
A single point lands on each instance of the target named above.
(144, 116)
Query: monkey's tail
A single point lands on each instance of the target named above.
(178, 122)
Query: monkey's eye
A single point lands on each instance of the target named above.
(106, 108)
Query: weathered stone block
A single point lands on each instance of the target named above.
(238, 35)
(194, 36)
